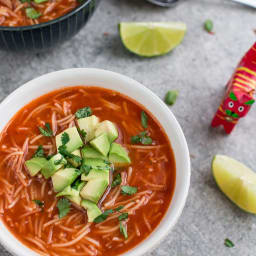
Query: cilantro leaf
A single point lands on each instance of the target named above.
(39, 152)
(85, 169)
(229, 243)
(142, 138)
(64, 138)
(64, 207)
(103, 216)
(83, 112)
(123, 216)
(32, 13)
(57, 162)
(117, 180)
(118, 208)
(128, 190)
(63, 151)
(47, 131)
(144, 120)
(123, 230)
(39, 203)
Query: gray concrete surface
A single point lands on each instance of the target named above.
(199, 69)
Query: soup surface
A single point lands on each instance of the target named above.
(152, 172)
(15, 13)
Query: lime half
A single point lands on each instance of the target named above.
(151, 38)
(236, 181)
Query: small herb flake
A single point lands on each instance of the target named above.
(103, 216)
(83, 112)
(47, 131)
(39, 203)
(83, 133)
(123, 216)
(144, 120)
(128, 190)
(142, 138)
(32, 13)
(59, 161)
(117, 180)
(229, 243)
(39, 152)
(171, 97)
(123, 230)
(64, 207)
(85, 169)
(208, 26)
(40, 1)
(119, 208)
(64, 138)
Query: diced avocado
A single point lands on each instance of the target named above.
(88, 125)
(93, 210)
(101, 143)
(72, 194)
(109, 128)
(35, 165)
(64, 178)
(72, 161)
(96, 163)
(74, 142)
(53, 165)
(96, 174)
(94, 189)
(118, 155)
(89, 152)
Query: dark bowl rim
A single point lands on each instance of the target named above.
(45, 24)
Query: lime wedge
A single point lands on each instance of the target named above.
(152, 38)
(236, 181)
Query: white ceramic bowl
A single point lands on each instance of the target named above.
(127, 86)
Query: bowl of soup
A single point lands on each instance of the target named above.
(92, 163)
(41, 24)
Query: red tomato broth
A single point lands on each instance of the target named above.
(152, 171)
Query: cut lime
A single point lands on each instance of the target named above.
(236, 181)
(151, 38)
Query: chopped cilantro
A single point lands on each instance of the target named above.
(229, 243)
(39, 152)
(123, 216)
(83, 112)
(64, 138)
(103, 216)
(57, 162)
(117, 180)
(39, 203)
(144, 120)
(118, 208)
(85, 169)
(64, 207)
(32, 13)
(47, 131)
(128, 190)
(142, 138)
(171, 97)
(123, 230)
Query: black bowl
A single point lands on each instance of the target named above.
(49, 34)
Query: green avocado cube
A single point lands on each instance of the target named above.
(93, 210)
(88, 125)
(96, 174)
(89, 152)
(35, 164)
(94, 190)
(118, 155)
(109, 128)
(63, 178)
(72, 161)
(96, 163)
(101, 144)
(53, 165)
(74, 142)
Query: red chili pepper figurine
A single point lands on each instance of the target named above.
(239, 96)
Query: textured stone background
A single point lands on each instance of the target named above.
(199, 69)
